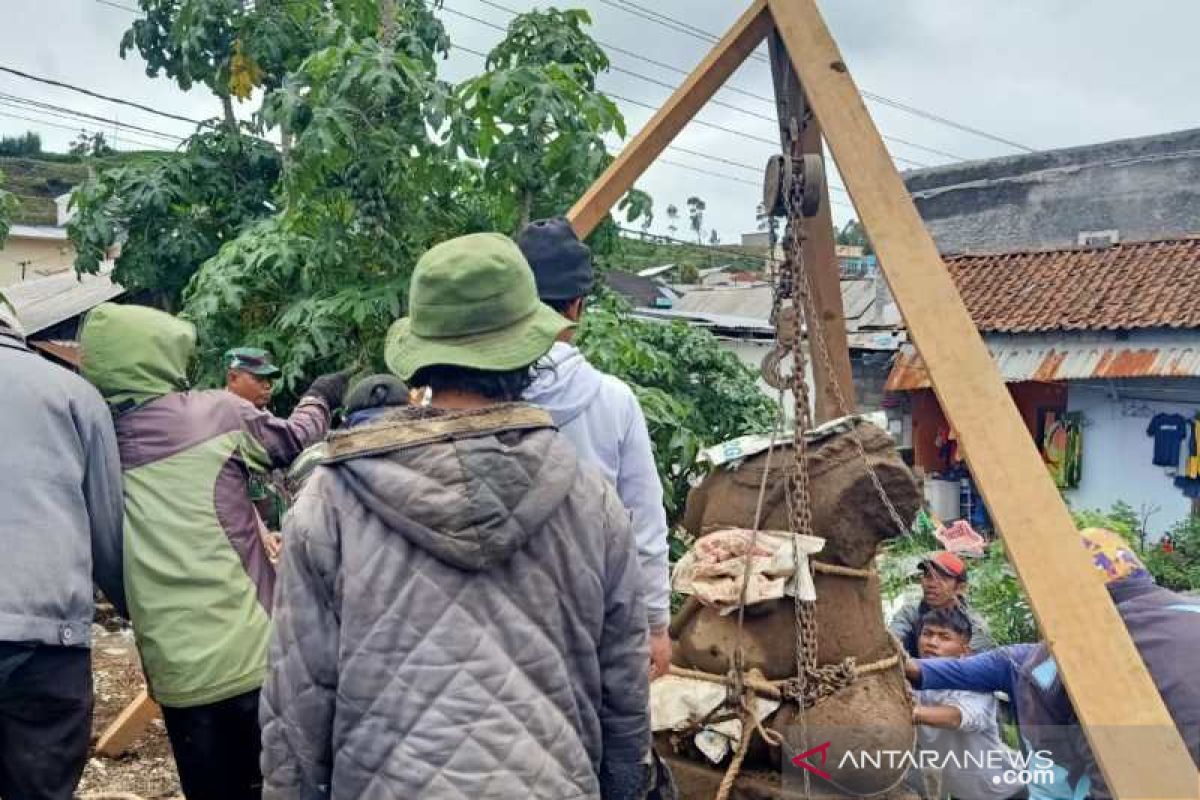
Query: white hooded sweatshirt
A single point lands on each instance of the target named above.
(602, 418)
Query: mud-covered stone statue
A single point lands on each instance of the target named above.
(871, 711)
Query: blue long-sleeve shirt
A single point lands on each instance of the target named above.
(991, 671)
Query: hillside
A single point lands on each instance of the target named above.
(36, 181)
(633, 254)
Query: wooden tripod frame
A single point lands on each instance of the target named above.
(1134, 739)
(1131, 733)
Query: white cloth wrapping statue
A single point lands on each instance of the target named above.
(676, 703)
(713, 570)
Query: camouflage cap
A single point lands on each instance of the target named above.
(254, 360)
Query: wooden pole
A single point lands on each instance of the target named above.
(728, 54)
(1131, 733)
(128, 725)
(820, 257)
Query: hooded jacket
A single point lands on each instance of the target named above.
(1165, 628)
(458, 617)
(602, 418)
(60, 500)
(197, 576)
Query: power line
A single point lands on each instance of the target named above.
(76, 129)
(51, 109)
(739, 164)
(97, 95)
(714, 101)
(671, 23)
(711, 38)
(613, 67)
(661, 64)
(728, 249)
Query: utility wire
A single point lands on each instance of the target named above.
(97, 95)
(872, 96)
(714, 101)
(706, 248)
(639, 56)
(676, 164)
(76, 129)
(50, 108)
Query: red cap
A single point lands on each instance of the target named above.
(946, 563)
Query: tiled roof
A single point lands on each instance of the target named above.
(1120, 287)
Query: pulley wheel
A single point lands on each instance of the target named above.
(775, 181)
(813, 176)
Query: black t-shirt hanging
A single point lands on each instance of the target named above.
(1169, 431)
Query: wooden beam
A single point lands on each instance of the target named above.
(129, 724)
(1132, 735)
(820, 257)
(728, 54)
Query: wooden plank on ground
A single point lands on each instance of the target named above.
(728, 54)
(1138, 748)
(129, 724)
(820, 256)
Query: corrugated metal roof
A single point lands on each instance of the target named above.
(860, 303)
(1164, 354)
(50, 232)
(43, 302)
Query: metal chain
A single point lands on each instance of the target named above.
(818, 334)
(798, 482)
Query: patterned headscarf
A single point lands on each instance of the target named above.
(1112, 556)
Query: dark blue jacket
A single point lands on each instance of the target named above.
(1165, 627)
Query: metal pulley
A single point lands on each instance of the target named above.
(788, 177)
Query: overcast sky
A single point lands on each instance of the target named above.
(1043, 73)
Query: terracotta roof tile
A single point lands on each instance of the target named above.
(1120, 287)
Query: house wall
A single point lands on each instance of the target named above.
(46, 256)
(1117, 453)
(869, 369)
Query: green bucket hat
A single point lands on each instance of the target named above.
(472, 303)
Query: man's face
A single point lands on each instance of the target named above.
(936, 641)
(249, 386)
(939, 590)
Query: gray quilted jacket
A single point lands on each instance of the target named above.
(458, 616)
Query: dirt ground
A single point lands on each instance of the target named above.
(147, 769)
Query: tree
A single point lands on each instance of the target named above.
(8, 206)
(854, 235)
(534, 118)
(367, 189)
(696, 208)
(173, 211)
(693, 393)
(93, 145)
(310, 254)
(638, 205)
(672, 216)
(28, 144)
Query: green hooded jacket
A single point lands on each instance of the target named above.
(198, 580)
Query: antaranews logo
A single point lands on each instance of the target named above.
(1006, 766)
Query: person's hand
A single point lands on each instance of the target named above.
(912, 669)
(660, 653)
(331, 388)
(273, 543)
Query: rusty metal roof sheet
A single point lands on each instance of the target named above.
(1152, 354)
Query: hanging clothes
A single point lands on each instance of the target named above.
(1062, 449)
(1193, 450)
(1169, 431)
